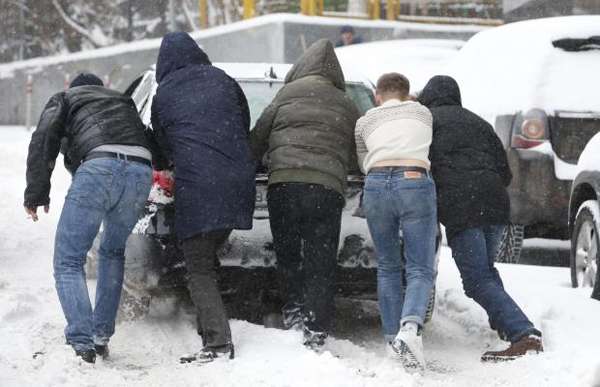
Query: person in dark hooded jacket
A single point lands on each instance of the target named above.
(105, 148)
(201, 118)
(471, 173)
(307, 134)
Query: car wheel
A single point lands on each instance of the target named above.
(585, 257)
(512, 244)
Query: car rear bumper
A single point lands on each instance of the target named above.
(538, 197)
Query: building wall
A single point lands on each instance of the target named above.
(275, 42)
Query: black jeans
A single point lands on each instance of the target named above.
(305, 222)
(200, 252)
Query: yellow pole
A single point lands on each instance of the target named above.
(249, 8)
(375, 9)
(320, 7)
(203, 7)
(312, 7)
(391, 10)
(303, 7)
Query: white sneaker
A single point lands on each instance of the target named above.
(408, 344)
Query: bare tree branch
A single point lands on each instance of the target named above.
(77, 27)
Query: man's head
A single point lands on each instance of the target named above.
(392, 86)
(347, 35)
(86, 79)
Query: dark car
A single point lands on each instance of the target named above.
(584, 220)
(153, 258)
(537, 82)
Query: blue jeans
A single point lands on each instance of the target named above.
(474, 251)
(103, 190)
(392, 203)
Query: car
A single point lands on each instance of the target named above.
(536, 82)
(584, 220)
(417, 59)
(154, 264)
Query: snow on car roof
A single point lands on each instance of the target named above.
(515, 67)
(417, 59)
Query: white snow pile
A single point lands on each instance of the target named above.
(145, 352)
(515, 67)
(417, 59)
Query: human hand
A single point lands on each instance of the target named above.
(32, 212)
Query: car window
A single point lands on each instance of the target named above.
(259, 95)
(140, 94)
(361, 95)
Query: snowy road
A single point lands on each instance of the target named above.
(145, 353)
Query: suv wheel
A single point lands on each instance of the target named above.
(585, 257)
(512, 244)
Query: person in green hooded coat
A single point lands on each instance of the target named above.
(305, 138)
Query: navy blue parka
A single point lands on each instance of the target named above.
(201, 119)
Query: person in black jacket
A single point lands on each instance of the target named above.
(107, 152)
(202, 120)
(471, 173)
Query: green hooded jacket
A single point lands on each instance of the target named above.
(307, 132)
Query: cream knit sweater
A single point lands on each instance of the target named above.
(393, 131)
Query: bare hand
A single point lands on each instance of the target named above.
(32, 212)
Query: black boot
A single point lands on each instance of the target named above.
(87, 355)
(102, 351)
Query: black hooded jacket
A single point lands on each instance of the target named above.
(307, 131)
(468, 162)
(74, 122)
(201, 119)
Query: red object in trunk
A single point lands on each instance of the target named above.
(165, 181)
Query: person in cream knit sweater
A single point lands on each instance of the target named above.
(392, 144)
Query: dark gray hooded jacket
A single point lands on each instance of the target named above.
(307, 132)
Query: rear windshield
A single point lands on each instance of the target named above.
(260, 94)
(571, 134)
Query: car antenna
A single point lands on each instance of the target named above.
(272, 75)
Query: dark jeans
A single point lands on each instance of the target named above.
(474, 251)
(200, 252)
(305, 222)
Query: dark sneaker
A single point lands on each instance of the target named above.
(87, 355)
(531, 344)
(209, 354)
(102, 351)
(293, 318)
(314, 340)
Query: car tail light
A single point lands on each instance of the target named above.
(533, 130)
(164, 180)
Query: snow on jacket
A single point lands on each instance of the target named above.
(307, 131)
(78, 120)
(468, 162)
(201, 119)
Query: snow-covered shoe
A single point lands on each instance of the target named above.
(87, 355)
(208, 354)
(314, 340)
(102, 350)
(408, 346)
(293, 318)
(531, 344)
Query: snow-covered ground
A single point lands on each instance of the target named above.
(145, 353)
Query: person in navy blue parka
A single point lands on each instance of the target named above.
(201, 120)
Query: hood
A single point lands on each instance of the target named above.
(440, 90)
(86, 79)
(178, 50)
(319, 59)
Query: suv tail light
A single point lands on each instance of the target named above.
(533, 130)
(164, 180)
